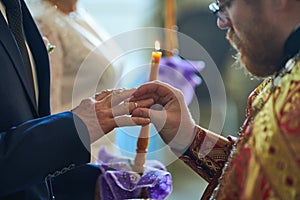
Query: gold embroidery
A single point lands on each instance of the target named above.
(207, 159)
(271, 148)
(263, 144)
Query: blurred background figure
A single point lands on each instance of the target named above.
(75, 34)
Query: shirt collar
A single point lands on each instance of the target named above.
(2, 10)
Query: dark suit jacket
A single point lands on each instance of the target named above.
(34, 144)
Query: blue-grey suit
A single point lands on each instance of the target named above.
(39, 153)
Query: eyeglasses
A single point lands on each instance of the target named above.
(218, 9)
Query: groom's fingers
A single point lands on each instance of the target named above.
(127, 108)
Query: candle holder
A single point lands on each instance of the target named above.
(119, 181)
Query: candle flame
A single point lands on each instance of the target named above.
(157, 45)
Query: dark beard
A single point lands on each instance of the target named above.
(259, 59)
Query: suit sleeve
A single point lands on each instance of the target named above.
(39, 147)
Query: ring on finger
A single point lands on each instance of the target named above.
(135, 105)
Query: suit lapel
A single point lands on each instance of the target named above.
(41, 59)
(9, 43)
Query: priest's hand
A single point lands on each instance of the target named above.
(169, 114)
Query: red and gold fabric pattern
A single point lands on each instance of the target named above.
(266, 161)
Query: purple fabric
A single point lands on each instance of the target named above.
(181, 74)
(119, 182)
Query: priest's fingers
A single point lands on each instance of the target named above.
(127, 120)
(141, 112)
(145, 103)
(161, 93)
(156, 87)
(146, 96)
(157, 117)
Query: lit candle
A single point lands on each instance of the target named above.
(156, 55)
(143, 140)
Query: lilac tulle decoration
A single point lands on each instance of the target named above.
(118, 181)
(181, 74)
